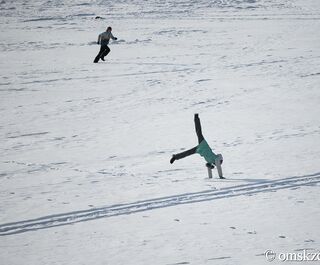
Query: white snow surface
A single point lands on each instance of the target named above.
(85, 176)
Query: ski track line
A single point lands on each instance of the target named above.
(140, 206)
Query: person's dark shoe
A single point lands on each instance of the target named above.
(173, 158)
(102, 58)
(222, 178)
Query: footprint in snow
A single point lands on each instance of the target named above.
(302, 249)
(94, 181)
(309, 241)
(180, 263)
(219, 258)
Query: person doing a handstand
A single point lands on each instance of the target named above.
(202, 149)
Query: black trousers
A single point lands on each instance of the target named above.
(200, 139)
(104, 50)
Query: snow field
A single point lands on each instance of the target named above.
(78, 136)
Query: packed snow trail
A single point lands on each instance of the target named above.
(140, 206)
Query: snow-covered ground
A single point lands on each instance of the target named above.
(85, 176)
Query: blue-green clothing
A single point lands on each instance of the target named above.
(204, 150)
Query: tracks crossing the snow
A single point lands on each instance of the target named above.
(152, 204)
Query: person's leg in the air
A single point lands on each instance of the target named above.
(183, 154)
(198, 128)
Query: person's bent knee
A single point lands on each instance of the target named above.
(220, 157)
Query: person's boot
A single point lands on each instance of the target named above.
(102, 58)
(173, 158)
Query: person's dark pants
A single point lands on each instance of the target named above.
(200, 139)
(104, 50)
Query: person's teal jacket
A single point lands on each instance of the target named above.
(204, 150)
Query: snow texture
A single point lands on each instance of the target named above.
(85, 176)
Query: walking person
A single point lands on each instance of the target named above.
(103, 40)
(202, 149)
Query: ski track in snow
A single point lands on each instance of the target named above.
(152, 204)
